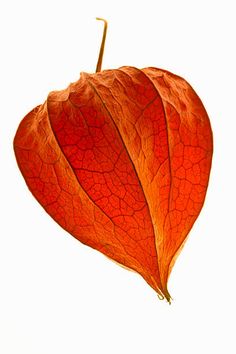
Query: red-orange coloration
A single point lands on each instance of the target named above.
(121, 160)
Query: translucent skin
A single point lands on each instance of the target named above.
(121, 160)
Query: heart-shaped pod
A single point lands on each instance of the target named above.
(121, 160)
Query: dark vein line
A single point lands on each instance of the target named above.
(103, 103)
(93, 202)
(168, 142)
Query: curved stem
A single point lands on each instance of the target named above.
(99, 63)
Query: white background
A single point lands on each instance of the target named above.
(58, 296)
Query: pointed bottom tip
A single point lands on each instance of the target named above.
(165, 296)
